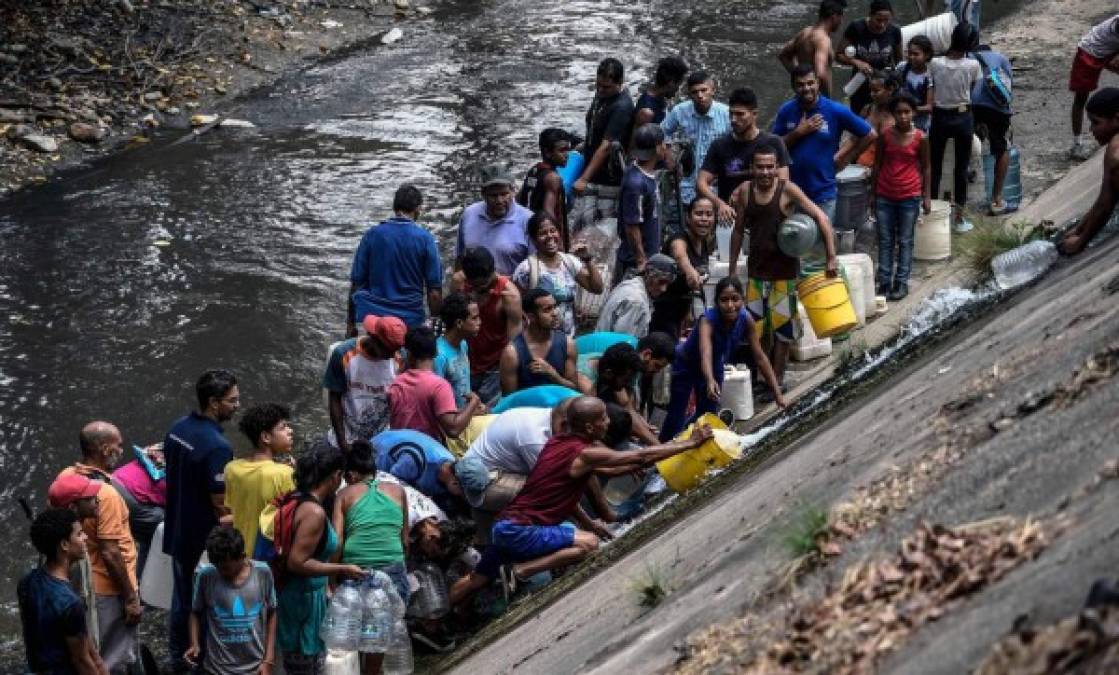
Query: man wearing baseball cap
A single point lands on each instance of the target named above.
(497, 223)
(112, 551)
(629, 307)
(357, 378)
(638, 224)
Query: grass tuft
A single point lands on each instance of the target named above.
(650, 588)
(990, 238)
(803, 535)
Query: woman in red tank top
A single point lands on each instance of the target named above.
(901, 186)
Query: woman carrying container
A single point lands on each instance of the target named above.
(953, 77)
(900, 185)
(699, 362)
(370, 515)
(691, 250)
(313, 542)
(557, 272)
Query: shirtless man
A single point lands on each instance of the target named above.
(1103, 120)
(813, 43)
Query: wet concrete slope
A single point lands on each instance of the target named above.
(717, 561)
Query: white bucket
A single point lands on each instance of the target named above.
(340, 662)
(938, 29)
(737, 396)
(808, 346)
(933, 240)
(156, 579)
(858, 268)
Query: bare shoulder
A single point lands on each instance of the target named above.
(511, 294)
(391, 489)
(1111, 156)
(458, 281)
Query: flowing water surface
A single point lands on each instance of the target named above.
(120, 284)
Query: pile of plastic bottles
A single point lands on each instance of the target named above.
(367, 617)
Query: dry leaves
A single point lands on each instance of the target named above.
(1087, 643)
(876, 605)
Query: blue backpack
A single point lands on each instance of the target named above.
(996, 82)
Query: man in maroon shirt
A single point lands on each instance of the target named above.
(531, 534)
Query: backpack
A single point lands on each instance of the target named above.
(996, 82)
(283, 535)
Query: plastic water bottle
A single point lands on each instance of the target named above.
(398, 658)
(1025, 263)
(340, 628)
(432, 593)
(376, 620)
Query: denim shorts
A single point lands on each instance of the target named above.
(511, 542)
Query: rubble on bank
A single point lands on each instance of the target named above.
(79, 77)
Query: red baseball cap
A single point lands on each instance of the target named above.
(70, 487)
(388, 329)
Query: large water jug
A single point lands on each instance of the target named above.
(859, 270)
(737, 396)
(376, 620)
(156, 577)
(1025, 263)
(852, 184)
(933, 238)
(431, 597)
(1011, 186)
(341, 626)
(797, 235)
(398, 658)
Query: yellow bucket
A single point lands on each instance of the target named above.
(685, 471)
(827, 304)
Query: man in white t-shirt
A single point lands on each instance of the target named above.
(498, 462)
(358, 374)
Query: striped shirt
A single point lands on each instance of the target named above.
(701, 130)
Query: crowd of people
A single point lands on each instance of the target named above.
(474, 426)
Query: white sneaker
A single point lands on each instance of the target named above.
(1081, 150)
(963, 225)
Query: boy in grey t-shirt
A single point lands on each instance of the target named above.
(237, 599)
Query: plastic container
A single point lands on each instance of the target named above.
(858, 269)
(601, 341)
(342, 626)
(540, 396)
(685, 471)
(340, 662)
(933, 239)
(431, 597)
(827, 304)
(717, 270)
(1011, 185)
(376, 620)
(797, 235)
(1023, 264)
(398, 658)
(588, 305)
(950, 162)
(808, 346)
(156, 579)
(737, 396)
(851, 197)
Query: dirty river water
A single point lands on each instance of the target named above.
(124, 280)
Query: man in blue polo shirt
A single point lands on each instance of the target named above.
(497, 223)
(811, 126)
(196, 452)
(396, 260)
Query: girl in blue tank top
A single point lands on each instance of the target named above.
(700, 361)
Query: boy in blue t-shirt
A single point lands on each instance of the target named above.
(638, 225)
(812, 126)
(54, 627)
(234, 601)
(461, 320)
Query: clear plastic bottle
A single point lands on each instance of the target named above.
(1025, 263)
(398, 659)
(342, 624)
(376, 620)
(433, 591)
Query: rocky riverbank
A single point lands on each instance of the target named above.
(79, 79)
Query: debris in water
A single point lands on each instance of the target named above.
(202, 120)
(330, 23)
(392, 36)
(238, 124)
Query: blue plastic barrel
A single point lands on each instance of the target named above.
(543, 396)
(1012, 186)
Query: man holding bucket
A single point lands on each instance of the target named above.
(762, 204)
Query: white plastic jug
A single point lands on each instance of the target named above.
(156, 579)
(858, 268)
(738, 397)
(933, 240)
(342, 663)
(808, 346)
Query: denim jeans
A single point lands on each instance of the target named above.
(178, 634)
(896, 221)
